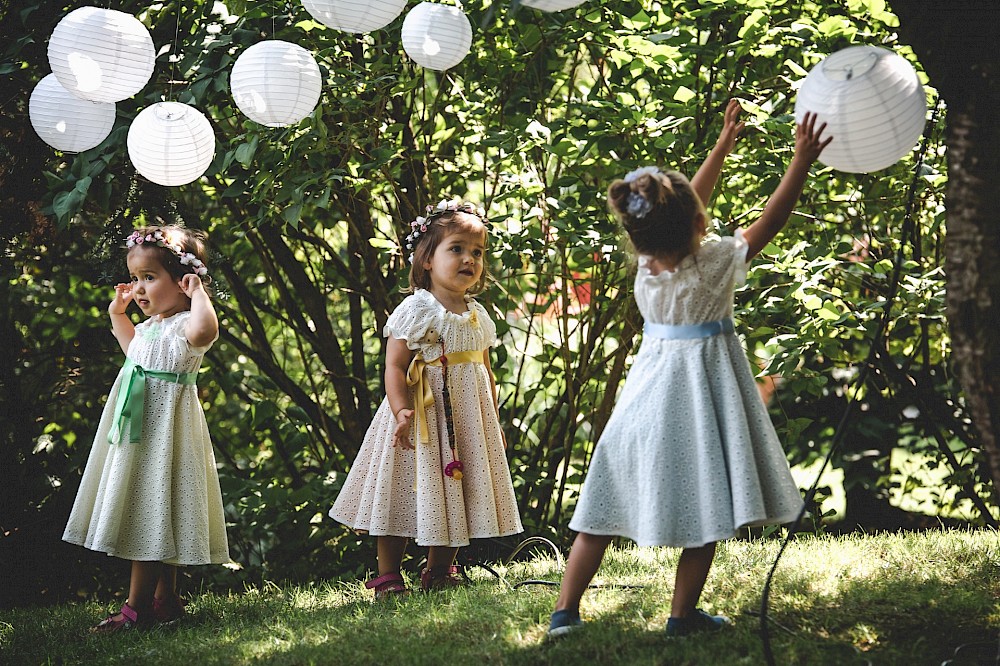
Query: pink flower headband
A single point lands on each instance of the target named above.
(420, 225)
(161, 239)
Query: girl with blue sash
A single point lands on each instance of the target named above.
(689, 455)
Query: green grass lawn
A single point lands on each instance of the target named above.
(886, 599)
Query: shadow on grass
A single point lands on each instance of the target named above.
(896, 617)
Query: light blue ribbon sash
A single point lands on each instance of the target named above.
(688, 331)
(132, 398)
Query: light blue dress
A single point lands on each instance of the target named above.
(689, 455)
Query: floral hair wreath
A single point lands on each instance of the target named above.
(419, 226)
(160, 239)
(637, 205)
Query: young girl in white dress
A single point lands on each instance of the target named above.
(432, 466)
(150, 491)
(689, 455)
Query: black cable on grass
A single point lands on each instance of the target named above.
(838, 435)
(549, 583)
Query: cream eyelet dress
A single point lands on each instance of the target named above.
(157, 499)
(392, 491)
(689, 455)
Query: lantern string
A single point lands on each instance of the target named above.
(174, 55)
(907, 233)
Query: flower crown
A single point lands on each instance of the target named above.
(160, 239)
(419, 226)
(637, 205)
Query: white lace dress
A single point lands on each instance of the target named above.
(689, 454)
(392, 491)
(157, 499)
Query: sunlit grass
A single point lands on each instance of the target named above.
(890, 599)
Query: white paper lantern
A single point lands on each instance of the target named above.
(65, 121)
(436, 36)
(354, 15)
(551, 5)
(873, 104)
(275, 83)
(171, 143)
(102, 55)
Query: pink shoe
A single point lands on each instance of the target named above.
(168, 609)
(125, 619)
(442, 577)
(388, 585)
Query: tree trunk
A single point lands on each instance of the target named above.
(956, 43)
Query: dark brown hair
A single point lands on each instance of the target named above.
(666, 226)
(439, 225)
(189, 240)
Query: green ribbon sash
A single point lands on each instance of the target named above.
(132, 398)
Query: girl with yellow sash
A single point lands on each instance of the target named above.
(432, 466)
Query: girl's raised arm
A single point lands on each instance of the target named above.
(809, 143)
(708, 174)
(121, 325)
(203, 325)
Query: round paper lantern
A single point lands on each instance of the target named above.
(354, 15)
(436, 36)
(102, 55)
(171, 143)
(873, 104)
(551, 5)
(275, 83)
(65, 121)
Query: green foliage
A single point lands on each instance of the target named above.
(543, 114)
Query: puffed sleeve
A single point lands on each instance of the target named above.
(412, 320)
(489, 327)
(180, 332)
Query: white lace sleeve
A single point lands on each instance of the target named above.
(411, 320)
(489, 326)
(180, 331)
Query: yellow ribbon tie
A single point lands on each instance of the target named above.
(423, 397)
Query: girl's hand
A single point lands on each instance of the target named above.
(190, 283)
(731, 127)
(401, 435)
(123, 296)
(809, 141)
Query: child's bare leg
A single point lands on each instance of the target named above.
(440, 557)
(692, 572)
(390, 554)
(166, 586)
(143, 583)
(584, 560)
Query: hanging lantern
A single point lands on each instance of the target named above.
(436, 36)
(551, 5)
(873, 104)
(354, 15)
(171, 143)
(101, 55)
(275, 83)
(66, 122)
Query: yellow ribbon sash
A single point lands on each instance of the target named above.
(423, 397)
(132, 397)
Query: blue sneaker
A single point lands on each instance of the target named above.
(697, 622)
(563, 622)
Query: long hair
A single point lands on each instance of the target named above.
(657, 209)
